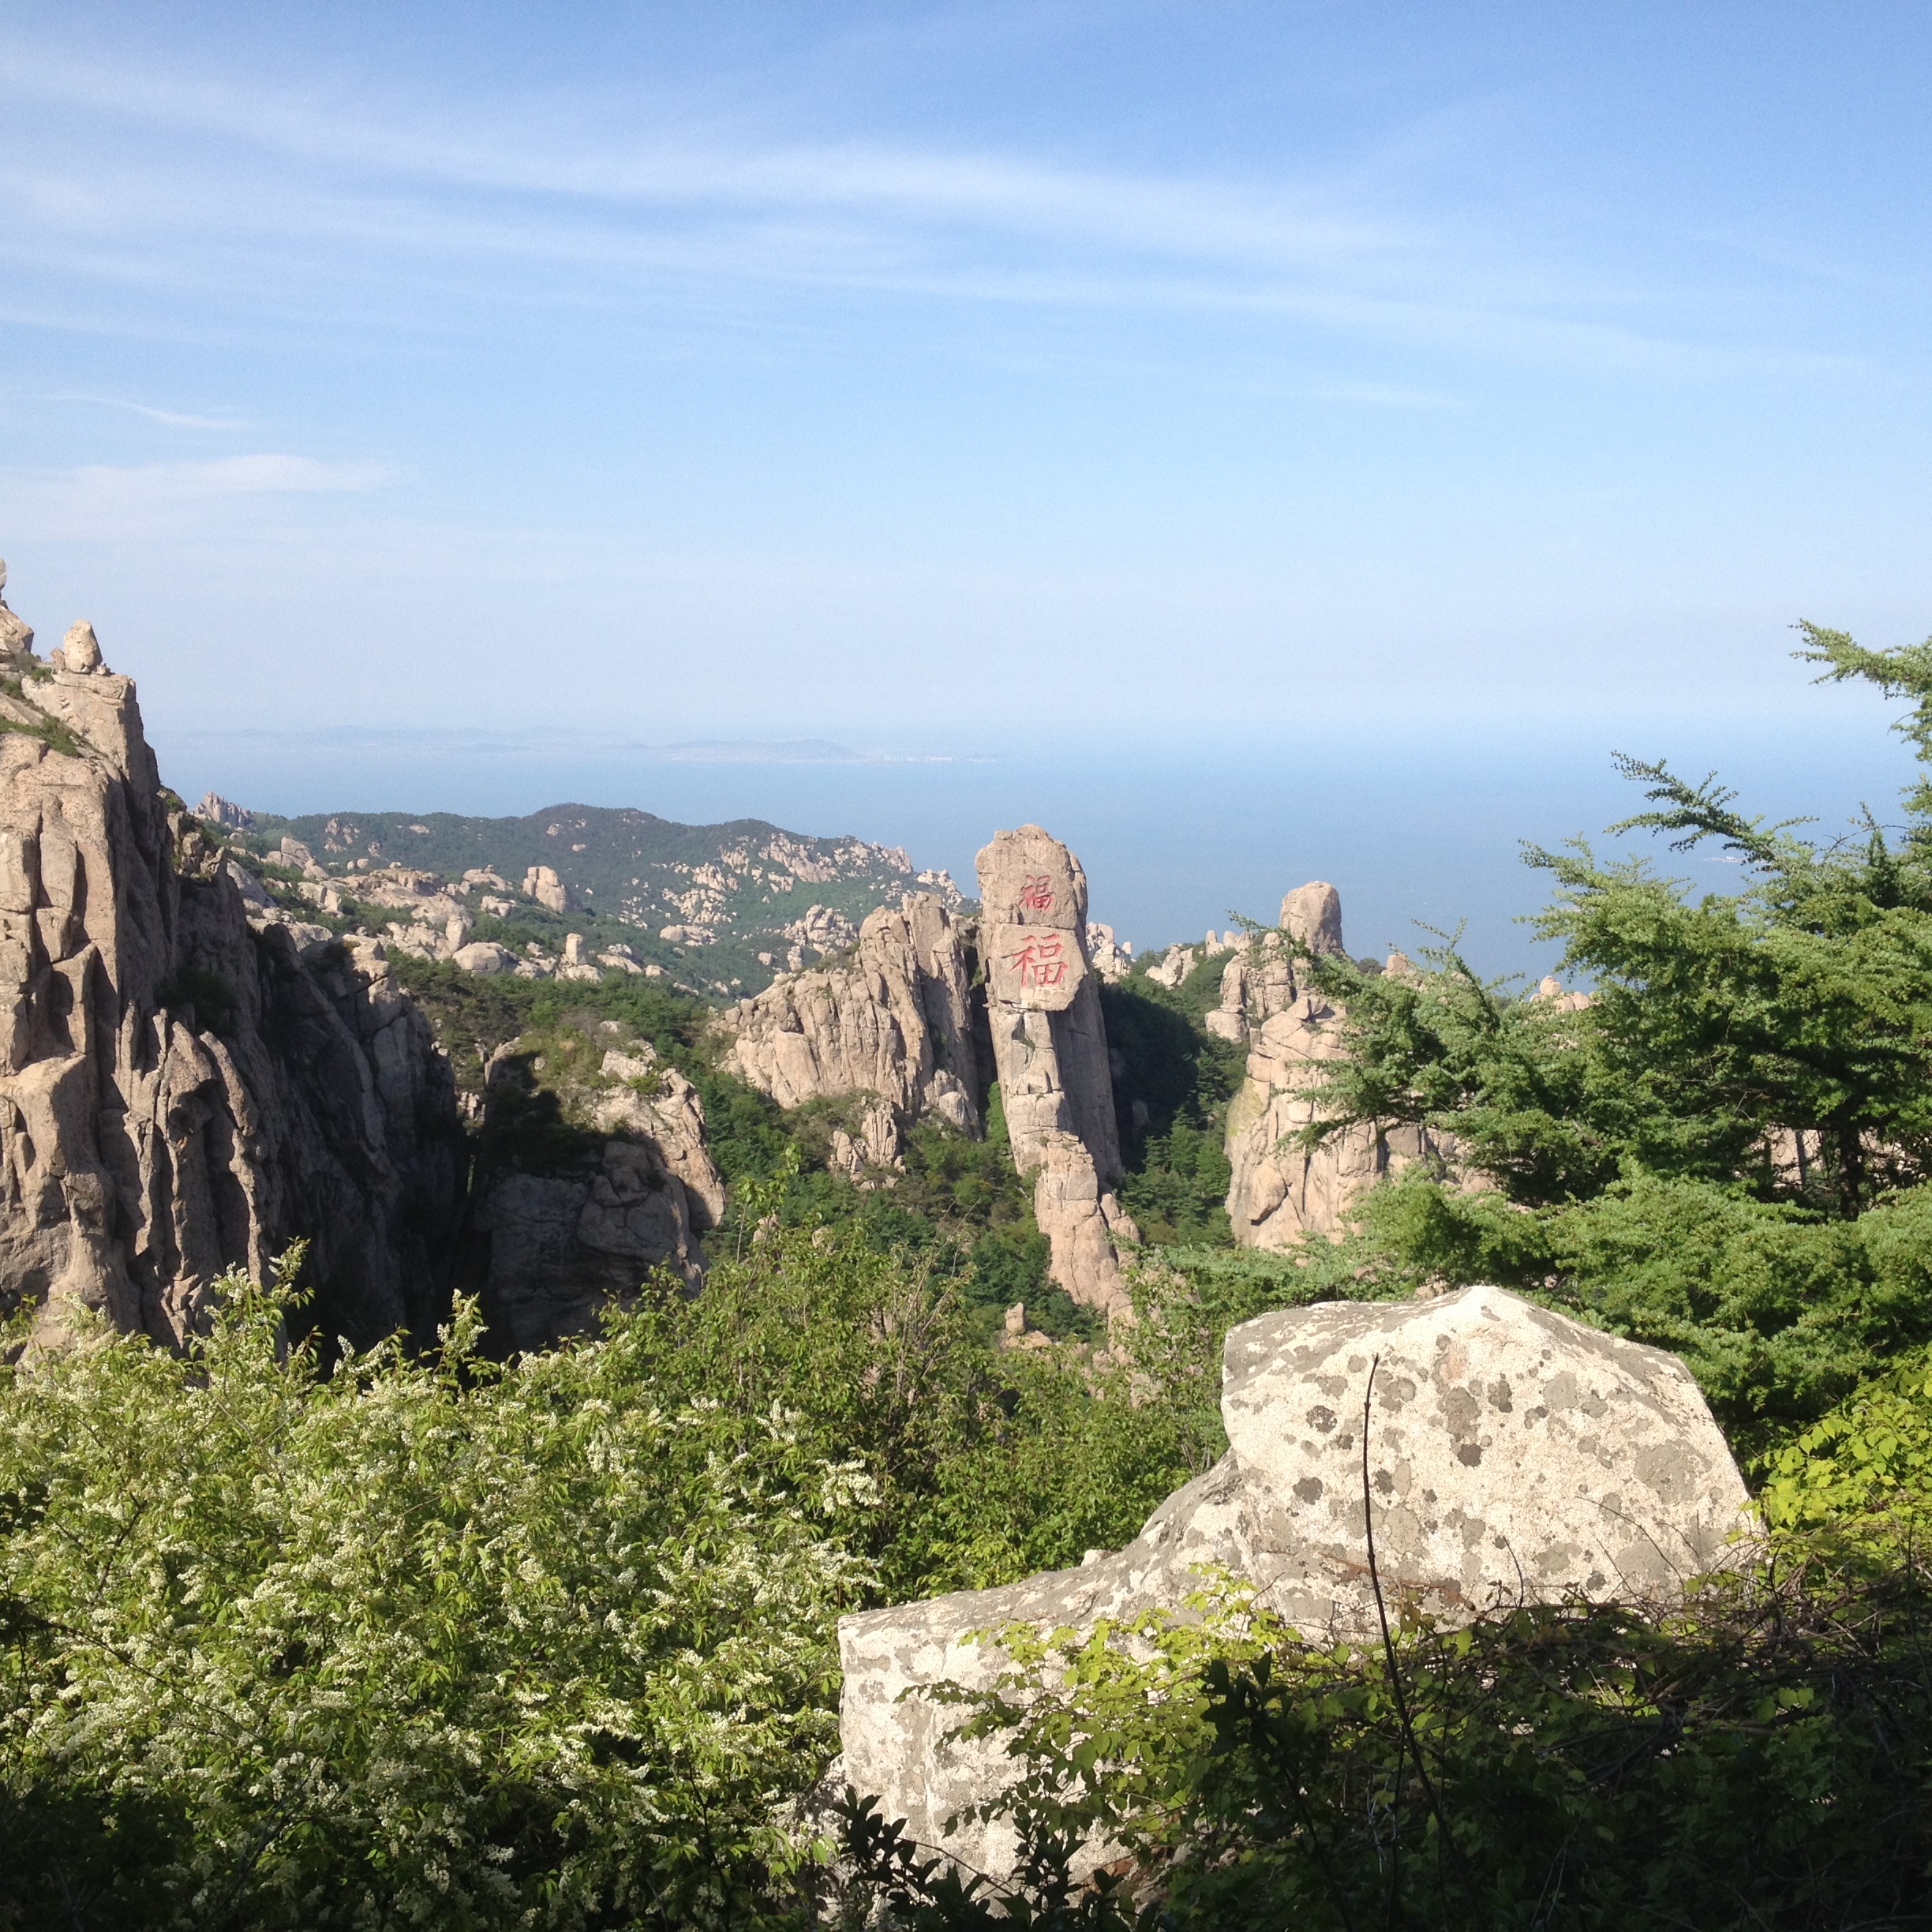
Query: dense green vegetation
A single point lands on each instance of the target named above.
(456, 1643)
(1172, 1102)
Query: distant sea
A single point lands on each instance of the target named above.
(1417, 827)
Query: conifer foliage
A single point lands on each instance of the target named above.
(1726, 1152)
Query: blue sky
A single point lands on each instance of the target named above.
(970, 378)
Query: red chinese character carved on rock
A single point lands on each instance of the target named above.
(1036, 891)
(1040, 962)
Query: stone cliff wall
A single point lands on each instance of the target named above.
(181, 1094)
(546, 1252)
(895, 1021)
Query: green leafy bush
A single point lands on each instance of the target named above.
(1865, 1471)
(983, 1465)
(449, 1644)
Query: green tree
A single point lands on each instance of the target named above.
(1696, 1157)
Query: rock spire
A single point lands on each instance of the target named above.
(1281, 1191)
(1050, 1050)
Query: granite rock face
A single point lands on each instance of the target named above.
(658, 1104)
(16, 634)
(182, 1093)
(895, 1021)
(1085, 1224)
(545, 1252)
(542, 884)
(1050, 1050)
(1281, 1192)
(559, 1248)
(1312, 913)
(1512, 1453)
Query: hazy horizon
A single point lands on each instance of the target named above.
(1418, 832)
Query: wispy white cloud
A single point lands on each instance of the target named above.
(173, 419)
(105, 502)
(452, 201)
(549, 154)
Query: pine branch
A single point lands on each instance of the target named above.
(1701, 811)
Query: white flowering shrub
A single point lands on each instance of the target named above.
(442, 1644)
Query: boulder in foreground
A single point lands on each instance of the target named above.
(1513, 1455)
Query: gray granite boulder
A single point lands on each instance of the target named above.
(1513, 1455)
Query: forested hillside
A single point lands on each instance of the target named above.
(717, 907)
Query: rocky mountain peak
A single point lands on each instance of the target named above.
(181, 1094)
(1312, 913)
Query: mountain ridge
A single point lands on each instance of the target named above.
(720, 908)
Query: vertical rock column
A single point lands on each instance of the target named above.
(1282, 1192)
(1049, 1047)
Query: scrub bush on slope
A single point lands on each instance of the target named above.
(449, 1645)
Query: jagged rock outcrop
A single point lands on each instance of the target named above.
(556, 1249)
(1085, 1225)
(1312, 913)
(182, 1094)
(1111, 957)
(1170, 968)
(894, 1021)
(484, 956)
(1050, 1050)
(16, 634)
(1280, 1191)
(870, 1155)
(542, 884)
(218, 811)
(1549, 991)
(546, 1252)
(656, 1103)
(1513, 1454)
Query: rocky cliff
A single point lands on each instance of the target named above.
(895, 1022)
(1050, 1050)
(183, 1093)
(546, 1249)
(1280, 1191)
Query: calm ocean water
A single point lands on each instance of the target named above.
(1415, 829)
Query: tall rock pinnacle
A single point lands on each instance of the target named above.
(1050, 1046)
